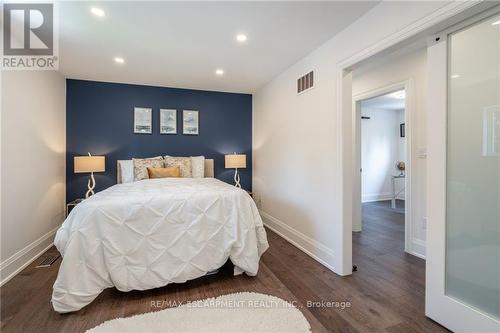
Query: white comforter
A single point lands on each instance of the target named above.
(150, 233)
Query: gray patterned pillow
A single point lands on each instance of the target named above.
(141, 166)
(184, 164)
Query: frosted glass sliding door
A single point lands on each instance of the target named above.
(472, 272)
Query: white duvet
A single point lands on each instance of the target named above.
(150, 233)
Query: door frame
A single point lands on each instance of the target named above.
(407, 85)
(445, 16)
(450, 312)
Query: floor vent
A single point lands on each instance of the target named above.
(305, 82)
(48, 260)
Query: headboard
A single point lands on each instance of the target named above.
(209, 169)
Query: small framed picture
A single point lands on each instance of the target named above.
(402, 130)
(190, 122)
(143, 121)
(168, 121)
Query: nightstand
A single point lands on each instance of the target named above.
(71, 205)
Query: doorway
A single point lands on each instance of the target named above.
(454, 312)
(383, 150)
(382, 141)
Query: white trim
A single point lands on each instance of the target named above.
(21, 259)
(436, 158)
(372, 197)
(408, 86)
(311, 247)
(417, 248)
(343, 230)
(343, 76)
(438, 16)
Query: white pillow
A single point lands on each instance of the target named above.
(198, 166)
(127, 171)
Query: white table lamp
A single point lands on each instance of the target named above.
(236, 161)
(86, 164)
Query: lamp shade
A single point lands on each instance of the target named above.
(86, 164)
(236, 161)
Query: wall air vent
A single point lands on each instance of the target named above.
(305, 82)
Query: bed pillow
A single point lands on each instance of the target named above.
(171, 172)
(198, 166)
(141, 165)
(184, 164)
(127, 171)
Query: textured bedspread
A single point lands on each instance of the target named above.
(150, 233)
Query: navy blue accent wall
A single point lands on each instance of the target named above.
(99, 120)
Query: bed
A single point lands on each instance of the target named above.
(150, 233)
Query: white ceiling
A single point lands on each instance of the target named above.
(385, 102)
(180, 44)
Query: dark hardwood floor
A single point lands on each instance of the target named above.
(386, 294)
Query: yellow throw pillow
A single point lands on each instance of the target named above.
(164, 172)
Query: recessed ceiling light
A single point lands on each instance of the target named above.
(401, 94)
(455, 76)
(241, 38)
(496, 23)
(119, 60)
(219, 72)
(97, 11)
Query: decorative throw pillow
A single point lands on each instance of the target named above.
(141, 165)
(164, 172)
(184, 164)
(198, 166)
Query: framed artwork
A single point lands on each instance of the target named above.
(402, 130)
(143, 121)
(168, 121)
(190, 122)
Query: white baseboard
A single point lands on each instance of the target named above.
(379, 197)
(376, 197)
(306, 244)
(20, 260)
(417, 248)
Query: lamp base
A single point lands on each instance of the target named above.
(237, 178)
(90, 186)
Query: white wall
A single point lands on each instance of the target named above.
(33, 146)
(381, 147)
(296, 139)
(397, 68)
